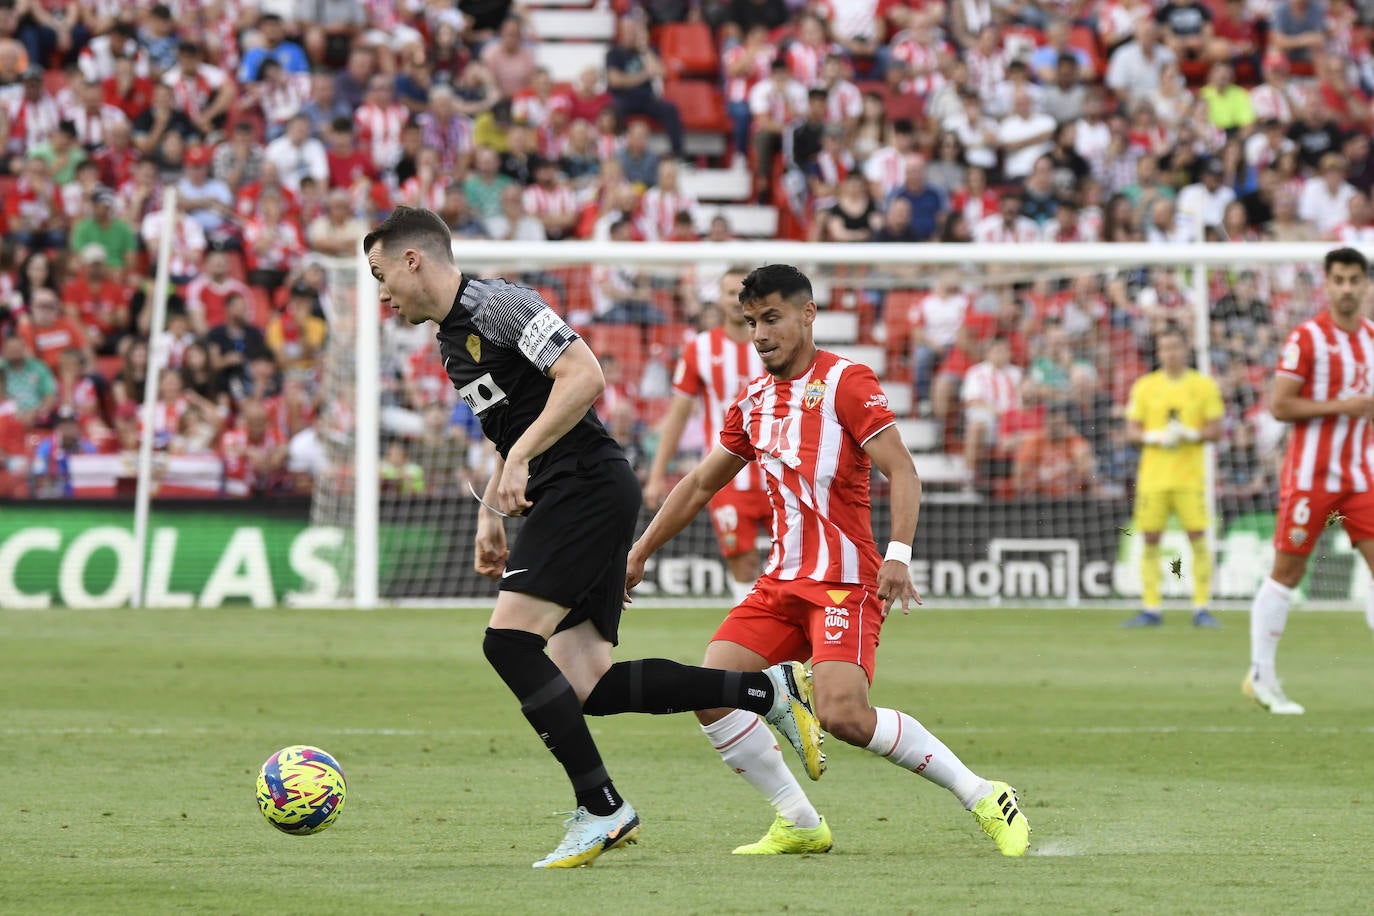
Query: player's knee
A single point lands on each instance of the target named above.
(849, 721)
(503, 648)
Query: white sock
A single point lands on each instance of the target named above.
(1369, 606)
(1268, 616)
(749, 748)
(906, 742)
(740, 590)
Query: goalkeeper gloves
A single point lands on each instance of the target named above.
(1167, 437)
(1185, 433)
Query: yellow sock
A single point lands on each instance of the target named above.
(1151, 575)
(1202, 573)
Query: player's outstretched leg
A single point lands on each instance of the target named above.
(842, 701)
(659, 686)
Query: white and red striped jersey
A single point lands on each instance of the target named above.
(887, 169)
(167, 420)
(528, 108)
(658, 208)
(737, 88)
(97, 59)
(986, 71)
(279, 102)
(998, 388)
(268, 247)
(785, 104)
(808, 434)
(1269, 103)
(922, 58)
(92, 127)
(193, 91)
(1330, 454)
(379, 132)
(715, 369)
(415, 192)
(804, 61)
(188, 241)
(831, 170)
(843, 101)
(993, 230)
(609, 146)
(32, 123)
(542, 202)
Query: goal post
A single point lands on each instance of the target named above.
(1000, 538)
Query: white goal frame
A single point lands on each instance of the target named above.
(486, 256)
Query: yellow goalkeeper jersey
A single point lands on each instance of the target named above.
(1194, 400)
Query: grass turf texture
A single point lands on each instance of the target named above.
(131, 740)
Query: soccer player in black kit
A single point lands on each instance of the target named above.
(532, 382)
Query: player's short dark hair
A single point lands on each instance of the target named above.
(1171, 330)
(1345, 256)
(784, 279)
(419, 228)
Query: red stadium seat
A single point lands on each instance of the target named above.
(623, 341)
(1084, 39)
(897, 324)
(688, 49)
(700, 104)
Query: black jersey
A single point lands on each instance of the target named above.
(497, 344)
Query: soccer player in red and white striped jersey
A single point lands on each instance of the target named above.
(712, 371)
(816, 424)
(1324, 386)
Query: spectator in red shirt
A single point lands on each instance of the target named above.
(271, 244)
(98, 297)
(127, 90)
(34, 211)
(48, 332)
(207, 294)
(254, 453)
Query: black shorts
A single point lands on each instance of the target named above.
(572, 547)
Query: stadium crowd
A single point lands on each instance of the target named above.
(290, 126)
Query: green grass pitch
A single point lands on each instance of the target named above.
(130, 741)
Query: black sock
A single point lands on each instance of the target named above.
(550, 705)
(660, 686)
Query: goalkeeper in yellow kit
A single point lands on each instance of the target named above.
(1171, 413)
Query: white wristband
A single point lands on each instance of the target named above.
(898, 551)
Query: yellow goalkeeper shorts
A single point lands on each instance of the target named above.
(1152, 510)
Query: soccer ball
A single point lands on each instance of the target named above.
(301, 790)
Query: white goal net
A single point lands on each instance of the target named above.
(1027, 501)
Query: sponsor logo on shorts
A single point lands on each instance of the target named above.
(837, 617)
(1297, 536)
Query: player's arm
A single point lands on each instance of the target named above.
(688, 498)
(577, 383)
(489, 547)
(1288, 406)
(889, 453)
(668, 440)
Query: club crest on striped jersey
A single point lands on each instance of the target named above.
(474, 346)
(813, 394)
